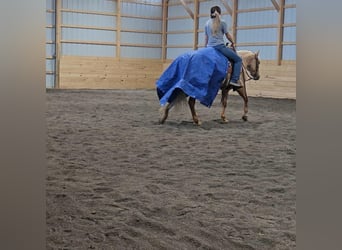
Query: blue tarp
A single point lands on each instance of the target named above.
(197, 73)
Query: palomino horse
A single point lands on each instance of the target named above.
(250, 70)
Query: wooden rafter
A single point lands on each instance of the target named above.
(226, 5)
(186, 7)
(276, 5)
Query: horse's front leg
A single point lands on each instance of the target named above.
(191, 103)
(224, 100)
(243, 93)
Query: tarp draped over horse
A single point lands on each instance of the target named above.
(199, 74)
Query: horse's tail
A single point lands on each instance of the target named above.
(179, 101)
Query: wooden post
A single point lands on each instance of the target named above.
(280, 32)
(164, 29)
(195, 46)
(234, 20)
(58, 22)
(118, 28)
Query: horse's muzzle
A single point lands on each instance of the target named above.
(256, 77)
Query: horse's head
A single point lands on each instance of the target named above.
(251, 63)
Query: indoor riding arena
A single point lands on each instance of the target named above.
(118, 179)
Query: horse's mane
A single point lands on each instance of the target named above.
(245, 52)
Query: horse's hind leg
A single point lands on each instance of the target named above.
(242, 92)
(164, 112)
(191, 103)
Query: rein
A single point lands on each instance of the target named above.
(247, 73)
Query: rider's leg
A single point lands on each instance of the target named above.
(237, 63)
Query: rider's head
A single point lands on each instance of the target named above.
(214, 11)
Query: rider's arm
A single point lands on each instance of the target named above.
(230, 38)
(205, 40)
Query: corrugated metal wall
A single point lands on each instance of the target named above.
(94, 28)
(50, 44)
(91, 25)
(141, 29)
(266, 35)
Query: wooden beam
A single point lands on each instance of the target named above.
(226, 5)
(118, 28)
(280, 32)
(234, 20)
(101, 13)
(255, 9)
(187, 8)
(164, 29)
(140, 45)
(58, 23)
(89, 42)
(87, 27)
(276, 5)
(195, 32)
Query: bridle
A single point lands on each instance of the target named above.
(247, 72)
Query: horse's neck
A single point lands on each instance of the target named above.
(245, 55)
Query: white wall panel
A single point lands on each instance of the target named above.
(290, 34)
(257, 35)
(172, 53)
(250, 4)
(141, 9)
(135, 52)
(180, 39)
(131, 37)
(206, 6)
(87, 50)
(49, 81)
(50, 65)
(50, 4)
(140, 24)
(258, 18)
(50, 49)
(91, 5)
(50, 18)
(88, 19)
(50, 34)
(289, 52)
(266, 52)
(177, 10)
(88, 35)
(180, 24)
(290, 15)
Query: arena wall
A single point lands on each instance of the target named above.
(277, 81)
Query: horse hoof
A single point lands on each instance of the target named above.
(245, 118)
(224, 120)
(198, 123)
(164, 114)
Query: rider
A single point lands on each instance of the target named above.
(215, 29)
